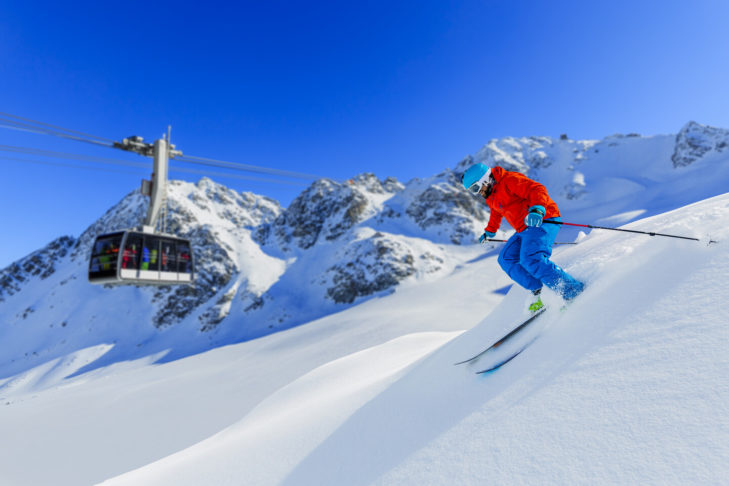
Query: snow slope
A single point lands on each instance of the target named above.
(627, 386)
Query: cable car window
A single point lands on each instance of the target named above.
(104, 256)
(132, 252)
(184, 257)
(134, 257)
(150, 254)
(168, 256)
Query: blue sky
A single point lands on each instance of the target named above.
(400, 89)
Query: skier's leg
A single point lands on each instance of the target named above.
(509, 260)
(536, 248)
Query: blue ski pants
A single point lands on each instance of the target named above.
(525, 258)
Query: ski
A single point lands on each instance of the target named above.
(505, 338)
(504, 361)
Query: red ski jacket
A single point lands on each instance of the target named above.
(512, 196)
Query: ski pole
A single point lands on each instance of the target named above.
(504, 241)
(627, 230)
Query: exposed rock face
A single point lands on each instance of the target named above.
(536, 156)
(40, 264)
(372, 265)
(447, 206)
(219, 218)
(517, 154)
(330, 214)
(576, 189)
(696, 141)
(215, 267)
(376, 264)
(327, 209)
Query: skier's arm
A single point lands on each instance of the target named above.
(494, 222)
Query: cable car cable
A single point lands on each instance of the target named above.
(8, 115)
(246, 167)
(66, 155)
(12, 122)
(61, 164)
(235, 176)
(102, 160)
(43, 131)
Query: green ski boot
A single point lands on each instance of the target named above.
(535, 306)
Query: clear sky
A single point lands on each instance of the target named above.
(400, 89)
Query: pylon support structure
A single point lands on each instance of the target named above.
(161, 151)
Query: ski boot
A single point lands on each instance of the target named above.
(535, 306)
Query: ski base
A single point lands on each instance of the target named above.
(503, 362)
(505, 338)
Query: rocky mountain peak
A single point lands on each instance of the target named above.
(40, 264)
(327, 209)
(517, 154)
(696, 141)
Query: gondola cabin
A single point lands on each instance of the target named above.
(139, 258)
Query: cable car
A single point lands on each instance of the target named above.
(144, 256)
(139, 258)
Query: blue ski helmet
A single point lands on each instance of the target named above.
(475, 176)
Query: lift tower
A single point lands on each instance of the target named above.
(161, 151)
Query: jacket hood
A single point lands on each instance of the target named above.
(498, 173)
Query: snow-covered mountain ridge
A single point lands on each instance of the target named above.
(263, 268)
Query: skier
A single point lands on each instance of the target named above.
(526, 205)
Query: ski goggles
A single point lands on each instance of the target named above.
(476, 186)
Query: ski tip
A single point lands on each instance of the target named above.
(499, 365)
(490, 370)
(486, 372)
